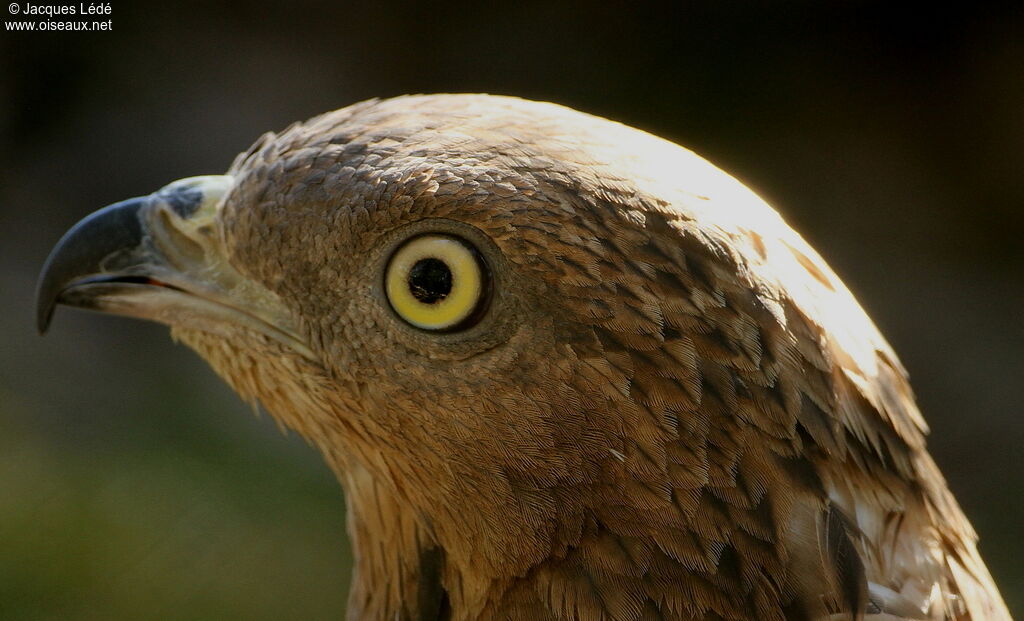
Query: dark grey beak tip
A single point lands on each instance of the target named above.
(81, 251)
(44, 314)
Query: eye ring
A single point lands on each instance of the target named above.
(438, 283)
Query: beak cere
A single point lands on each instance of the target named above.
(160, 257)
(120, 257)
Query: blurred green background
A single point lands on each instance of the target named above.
(133, 485)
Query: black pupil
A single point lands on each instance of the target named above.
(430, 280)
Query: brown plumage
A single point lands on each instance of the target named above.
(664, 404)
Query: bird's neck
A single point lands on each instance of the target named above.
(398, 565)
(406, 569)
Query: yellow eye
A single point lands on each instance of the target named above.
(436, 282)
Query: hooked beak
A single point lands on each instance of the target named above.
(160, 257)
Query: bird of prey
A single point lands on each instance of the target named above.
(563, 369)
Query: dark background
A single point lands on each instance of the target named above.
(133, 485)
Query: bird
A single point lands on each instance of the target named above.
(563, 369)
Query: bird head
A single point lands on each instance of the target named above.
(530, 342)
